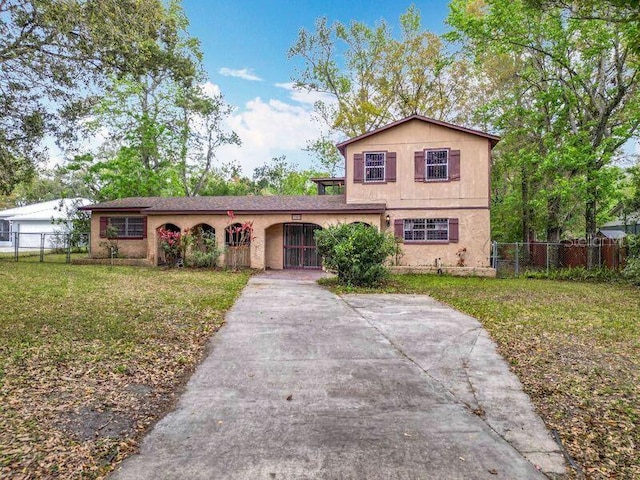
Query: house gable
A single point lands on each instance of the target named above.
(434, 165)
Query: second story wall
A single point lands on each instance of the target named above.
(419, 164)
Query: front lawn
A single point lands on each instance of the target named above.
(90, 356)
(575, 347)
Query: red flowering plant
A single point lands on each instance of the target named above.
(173, 245)
(238, 239)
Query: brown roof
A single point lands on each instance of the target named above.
(239, 205)
(492, 138)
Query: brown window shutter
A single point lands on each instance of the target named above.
(358, 168)
(418, 161)
(390, 167)
(103, 227)
(144, 227)
(398, 228)
(454, 165)
(453, 230)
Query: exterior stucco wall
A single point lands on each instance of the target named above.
(474, 235)
(274, 255)
(266, 246)
(471, 190)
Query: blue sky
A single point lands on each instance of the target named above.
(245, 47)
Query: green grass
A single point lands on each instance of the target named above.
(82, 338)
(575, 347)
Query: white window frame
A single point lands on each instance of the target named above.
(5, 234)
(375, 157)
(436, 164)
(425, 230)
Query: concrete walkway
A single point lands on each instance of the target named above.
(302, 384)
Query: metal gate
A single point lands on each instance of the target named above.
(300, 249)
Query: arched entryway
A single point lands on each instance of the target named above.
(161, 255)
(237, 240)
(204, 237)
(299, 244)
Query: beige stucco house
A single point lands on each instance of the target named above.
(424, 180)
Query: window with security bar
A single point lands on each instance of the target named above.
(131, 227)
(426, 229)
(437, 164)
(374, 167)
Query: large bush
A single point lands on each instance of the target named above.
(356, 252)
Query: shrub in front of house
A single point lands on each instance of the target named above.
(356, 252)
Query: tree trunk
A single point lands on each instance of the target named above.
(554, 230)
(590, 232)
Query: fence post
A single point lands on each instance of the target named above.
(42, 247)
(548, 257)
(16, 246)
(600, 254)
(517, 260)
(67, 239)
(494, 247)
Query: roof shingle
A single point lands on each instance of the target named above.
(240, 204)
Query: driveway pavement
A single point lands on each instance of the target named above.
(302, 384)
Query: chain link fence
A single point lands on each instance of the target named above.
(512, 259)
(59, 247)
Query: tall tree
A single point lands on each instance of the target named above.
(575, 89)
(162, 130)
(374, 78)
(279, 177)
(53, 53)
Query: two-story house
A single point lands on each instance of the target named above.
(424, 180)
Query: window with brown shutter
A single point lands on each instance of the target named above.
(427, 230)
(124, 227)
(437, 165)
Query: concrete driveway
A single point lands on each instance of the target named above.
(302, 384)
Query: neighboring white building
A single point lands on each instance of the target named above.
(30, 221)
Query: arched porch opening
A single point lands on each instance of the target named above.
(203, 250)
(161, 254)
(299, 249)
(237, 241)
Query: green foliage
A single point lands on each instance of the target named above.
(55, 57)
(633, 245)
(632, 270)
(562, 88)
(203, 250)
(356, 252)
(125, 175)
(578, 274)
(281, 178)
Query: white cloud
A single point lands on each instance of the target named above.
(269, 129)
(304, 96)
(244, 73)
(210, 89)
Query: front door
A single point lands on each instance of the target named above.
(300, 249)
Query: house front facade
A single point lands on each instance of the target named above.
(424, 180)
